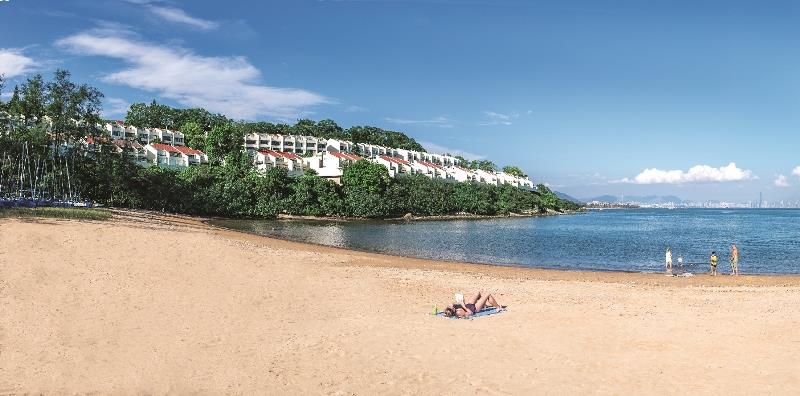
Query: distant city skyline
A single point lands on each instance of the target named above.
(697, 100)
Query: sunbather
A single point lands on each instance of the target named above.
(472, 305)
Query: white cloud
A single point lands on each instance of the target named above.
(499, 118)
(355, 109)
(116, 107)
(781, 181)
(177, 15)
(796, 171)
(228, 85)
(13, 63)
(439, 149)
(695, 174)
(440, 122)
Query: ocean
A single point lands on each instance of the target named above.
(610, 240)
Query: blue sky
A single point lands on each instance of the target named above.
(585, 96)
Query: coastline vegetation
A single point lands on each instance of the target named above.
(57, 213)
(229, 185)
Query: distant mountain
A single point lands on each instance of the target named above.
(643, 199)
(567, 197)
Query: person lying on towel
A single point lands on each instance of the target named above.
(472, 305)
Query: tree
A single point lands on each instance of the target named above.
(14, 105)
(224, 141)
(314, 196)
(193, 135)
(67, 102)
(32, 102)
(514, 171)
(364, 185)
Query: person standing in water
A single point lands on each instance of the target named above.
(714, 260)
(734, 260)
(668, 259)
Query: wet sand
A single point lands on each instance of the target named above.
(166, 304)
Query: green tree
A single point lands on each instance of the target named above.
(364, 185)
(224, 141)
(33, 97)
(515, 171)
(66, 102)
(14, 106)
(314, 196)
(193, 135)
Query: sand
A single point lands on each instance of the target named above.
(165, 304)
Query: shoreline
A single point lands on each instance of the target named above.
(543, 273)
(409, 217)
(164, 304)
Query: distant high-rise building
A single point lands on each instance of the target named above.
(760, 200)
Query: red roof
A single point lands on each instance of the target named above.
(351, 157)
(430, 165)
(188, 151)
(121, 143)
(120, 122)
(279, 154)
(91, 139)
(165, 147)
(393, 159)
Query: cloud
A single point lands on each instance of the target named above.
(13, 63)
(438, 149)
(499, 118)
(177, 15)
(796, 171)
(116, 107)
(228, 85)
(695, 174)
(781, 181)
(439, 122)
(355, 109)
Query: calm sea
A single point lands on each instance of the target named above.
(618, 240)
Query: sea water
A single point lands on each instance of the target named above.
(617, 240)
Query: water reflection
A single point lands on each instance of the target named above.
(631, 240)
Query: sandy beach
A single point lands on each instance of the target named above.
(154, 304)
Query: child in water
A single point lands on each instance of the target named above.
(714, 260)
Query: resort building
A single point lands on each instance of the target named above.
(431, 170)
(462, 174)
(395, 166)
(327, 157)
(160, 154)
(520, 182)
(284, 143)
(118, 130)
(265, 160)
(331, 165)
(132, 149)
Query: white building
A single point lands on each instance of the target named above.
(268, 159)
(165, 155)
(462, 174)
(118, 130)
(431, 170)
(132, 149)
(521, 182)
(395, 166)
(284, 143)
(192, 156)
(331, 165)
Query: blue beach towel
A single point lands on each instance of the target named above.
(484, 312)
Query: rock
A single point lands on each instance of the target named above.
(408, 216)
